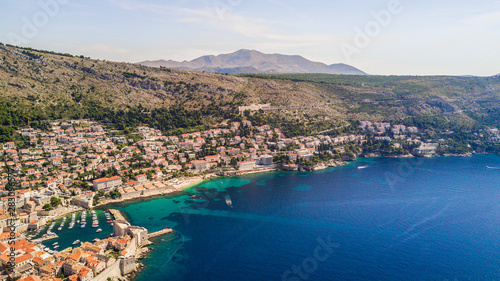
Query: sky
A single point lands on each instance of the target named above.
(380, 37)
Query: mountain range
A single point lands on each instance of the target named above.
(254, 62)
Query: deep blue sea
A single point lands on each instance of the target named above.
(375, 219)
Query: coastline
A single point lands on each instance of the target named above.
(188, 182)
(185, 184)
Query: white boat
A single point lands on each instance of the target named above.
(56, 246)
(55, 243)
(98, 230)
(228, 200)
(76, 242)
(362, 167)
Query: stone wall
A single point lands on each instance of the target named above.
(112, 271)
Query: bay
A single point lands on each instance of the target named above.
(375, 219)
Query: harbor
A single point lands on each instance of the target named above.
(86, 225)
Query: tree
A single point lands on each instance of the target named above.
(114, 194)
(54, 201)
(85, 185)
(48, 207)
(234, 161)
(96, 199)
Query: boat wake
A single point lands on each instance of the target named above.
(177, 249)
(493, 168)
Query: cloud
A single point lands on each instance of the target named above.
(486, 19)
(133, 5)
(223, 16)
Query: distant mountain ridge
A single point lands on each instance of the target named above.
(250, 61)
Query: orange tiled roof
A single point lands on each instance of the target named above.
(75, 256)
(30, 278)
(3, 247)
(23, 258)
(84, 271)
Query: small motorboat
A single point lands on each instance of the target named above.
(228, 200)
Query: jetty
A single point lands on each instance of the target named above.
(48, 237)
(119, 217)
(160, 232)
(117, 214)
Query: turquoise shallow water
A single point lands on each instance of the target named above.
(393, 219)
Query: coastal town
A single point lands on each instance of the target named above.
(74, 166)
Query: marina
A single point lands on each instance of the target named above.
(62, 232)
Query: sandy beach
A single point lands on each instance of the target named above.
(175, 185)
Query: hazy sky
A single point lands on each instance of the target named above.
(455, 37)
